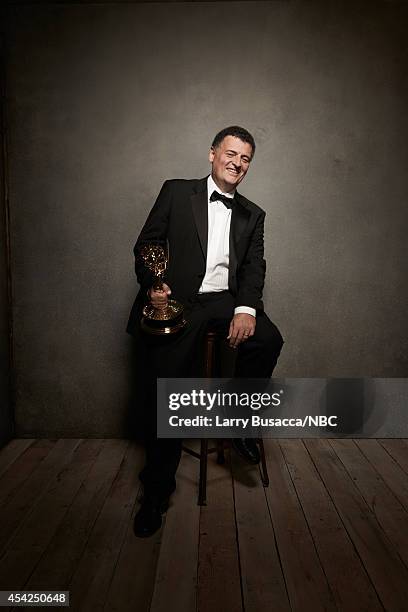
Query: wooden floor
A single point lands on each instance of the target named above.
(329, 533)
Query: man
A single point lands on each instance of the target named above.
(216, 270)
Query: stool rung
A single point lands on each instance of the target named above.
(191, 452)
(197, 455)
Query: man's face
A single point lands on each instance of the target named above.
(230, 162)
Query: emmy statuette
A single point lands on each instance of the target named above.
(166, 320)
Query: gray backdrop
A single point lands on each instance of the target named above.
(6, 418)
(105, 102)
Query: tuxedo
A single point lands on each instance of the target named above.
(180, 218)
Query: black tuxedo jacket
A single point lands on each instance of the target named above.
(180, 217)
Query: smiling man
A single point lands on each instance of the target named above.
(216, 269)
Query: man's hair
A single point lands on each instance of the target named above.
(238, 132)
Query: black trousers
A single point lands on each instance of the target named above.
(180, 356)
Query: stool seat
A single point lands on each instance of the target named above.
(211, 344)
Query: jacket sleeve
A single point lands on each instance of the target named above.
(154, 229)
(251, 273)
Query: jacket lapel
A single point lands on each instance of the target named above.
(239, 220)
(200, 211)
(240, 217)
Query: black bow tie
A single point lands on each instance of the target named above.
(228, 202)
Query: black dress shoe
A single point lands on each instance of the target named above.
(247, 449)
(149, 517)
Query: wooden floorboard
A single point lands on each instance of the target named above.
(25, 549)
(90, 583)
(304, 575)
(219, 584)
(263, 583)
(351, 587)
(389, 470)
(11, 452)
(398, 449)
(23, 468)
(329, 533)
(175, 586)
(28, 496)
(60, 560)
(389, 512)
(135, 572)
(380, 558)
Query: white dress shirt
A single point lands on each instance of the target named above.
(219, 223)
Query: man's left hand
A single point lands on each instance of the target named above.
(241, 328)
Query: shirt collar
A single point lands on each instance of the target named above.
(211, 186)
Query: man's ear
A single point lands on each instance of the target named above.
(211, 155)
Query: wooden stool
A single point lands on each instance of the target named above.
(212, 340)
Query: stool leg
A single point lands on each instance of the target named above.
(208, 373)
(202, 490)
(264, 468)
(220, 452)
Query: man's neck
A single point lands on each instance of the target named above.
(223, 188)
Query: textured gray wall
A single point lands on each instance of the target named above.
(6, 424)
(6, 418)
(107, 101)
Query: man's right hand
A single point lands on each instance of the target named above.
(159, 297)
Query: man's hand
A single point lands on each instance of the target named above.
(158, 297)
(241, 328)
